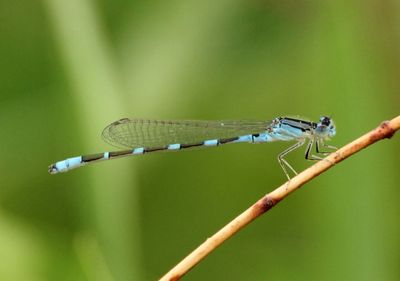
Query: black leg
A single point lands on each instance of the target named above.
(308, 154)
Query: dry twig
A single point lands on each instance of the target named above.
(385, 130)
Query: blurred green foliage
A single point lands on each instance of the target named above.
(68, 68)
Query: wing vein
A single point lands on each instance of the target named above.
(132, 133)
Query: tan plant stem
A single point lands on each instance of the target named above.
(385, 130)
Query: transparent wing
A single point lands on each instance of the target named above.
(131, 133)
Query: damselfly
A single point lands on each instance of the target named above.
(144, 136)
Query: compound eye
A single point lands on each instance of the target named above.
(326, 121)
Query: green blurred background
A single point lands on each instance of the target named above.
(69, 68)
